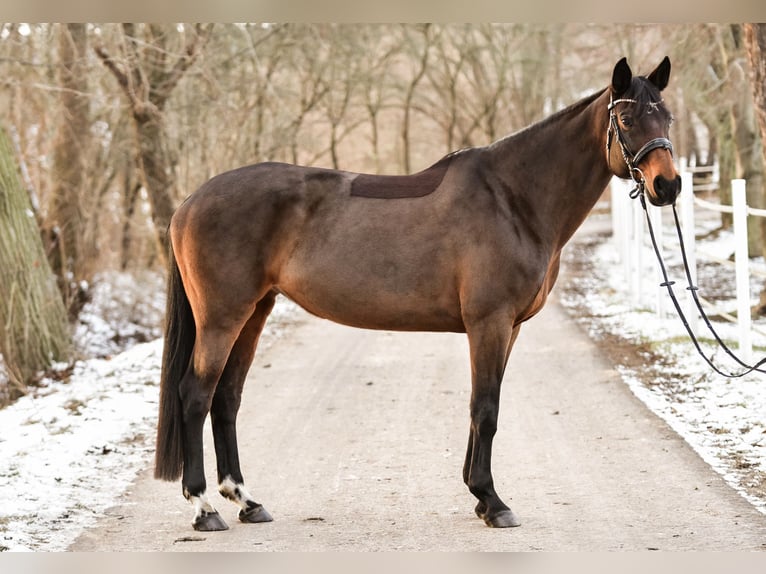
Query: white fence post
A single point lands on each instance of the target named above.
(618, 218)
(687, 232)
(741, 260)
(622, 223)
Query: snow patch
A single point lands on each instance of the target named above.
(722, 419)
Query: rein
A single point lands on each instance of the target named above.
(632, 161)
(693, 289)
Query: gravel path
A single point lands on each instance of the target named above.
(354, 440)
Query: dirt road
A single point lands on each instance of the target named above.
(354, 440)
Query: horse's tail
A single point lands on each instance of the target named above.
(180, 333)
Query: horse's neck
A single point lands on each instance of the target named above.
(559, 166)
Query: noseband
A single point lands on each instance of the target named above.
(632, 159)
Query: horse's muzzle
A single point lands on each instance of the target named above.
(665, 191)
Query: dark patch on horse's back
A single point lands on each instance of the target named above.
(401, 186)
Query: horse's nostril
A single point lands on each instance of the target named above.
(666, 190)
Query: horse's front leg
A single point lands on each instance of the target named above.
(490, 343)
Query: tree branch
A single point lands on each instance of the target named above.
(162, 92)
(114, 68)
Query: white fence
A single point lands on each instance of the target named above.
(636, 254)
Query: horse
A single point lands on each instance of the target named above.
(469, 245)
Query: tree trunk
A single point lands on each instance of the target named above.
(156, 172)
(372, 112)
(410, 95)
(131, 190)
(755, 44)
(748, 158)
(66, 224)
(33, 321)
(148, 79)
(727, 167)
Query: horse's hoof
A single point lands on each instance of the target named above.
(503, 519)
(254, 513)
(209, 522)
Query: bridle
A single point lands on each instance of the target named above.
(632, 160)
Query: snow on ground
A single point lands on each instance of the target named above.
(69, 449)
(723, 419)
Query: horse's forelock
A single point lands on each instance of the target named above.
(646, 95)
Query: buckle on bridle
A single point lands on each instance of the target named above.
(636, 174)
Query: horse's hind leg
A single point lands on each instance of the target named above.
(196, 389)
(224, 410)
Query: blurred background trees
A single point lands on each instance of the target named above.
(115, 124)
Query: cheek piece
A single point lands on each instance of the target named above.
(631, 159)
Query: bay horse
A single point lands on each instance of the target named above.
(469, 245)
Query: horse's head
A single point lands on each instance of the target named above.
(637, 139)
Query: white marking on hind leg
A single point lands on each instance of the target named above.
(235, 492)
(200, 503)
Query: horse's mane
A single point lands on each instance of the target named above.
(641, 90)
(571, 109)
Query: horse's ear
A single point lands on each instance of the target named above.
(621, 77)
(660, 76)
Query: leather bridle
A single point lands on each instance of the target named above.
(632, 160)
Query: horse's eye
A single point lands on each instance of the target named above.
(626, 120)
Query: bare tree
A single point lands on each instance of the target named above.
(342, 74)
(248, 119)
(531, 72)
(66, 221)
(487, 82)
(715, 87)
(418, 47)
(755, 42)
(445, 101)
(306, 89)
(376, 83)
(747, 155)
(147, 71)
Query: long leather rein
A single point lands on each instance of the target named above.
(632, 161)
